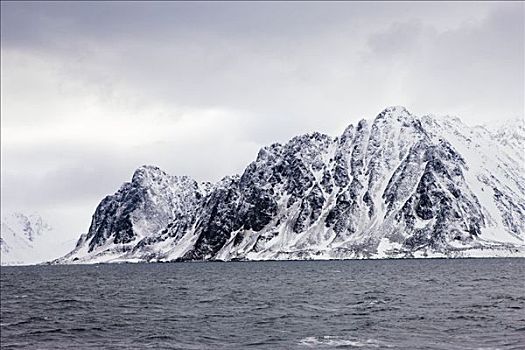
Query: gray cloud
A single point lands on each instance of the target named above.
(468, 70)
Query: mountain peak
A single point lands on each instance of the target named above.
(147, 172)
(394, 113)
(395, 110)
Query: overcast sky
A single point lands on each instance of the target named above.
(90, 91)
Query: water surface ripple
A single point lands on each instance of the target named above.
(380, 304)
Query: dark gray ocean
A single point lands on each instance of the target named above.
(381, 304)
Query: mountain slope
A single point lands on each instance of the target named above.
(20, 238)
(396, 186)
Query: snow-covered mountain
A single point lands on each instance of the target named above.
(149, 204)
(20, 236)
(395, 186)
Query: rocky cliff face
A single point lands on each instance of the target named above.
(395, 186)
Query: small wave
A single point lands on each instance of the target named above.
(208, 301)
(85, 329)
(318, 308)
(470, 317)
(29, 320)
(377, 302)
(430, 280)
(158, 337)
(514, 307)
(329, 340)
(67, 301)
(263, 307)
(45, 331)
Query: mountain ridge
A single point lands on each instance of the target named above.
(395, 186)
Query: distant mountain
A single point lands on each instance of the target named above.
(19, 236)
(393, 187)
